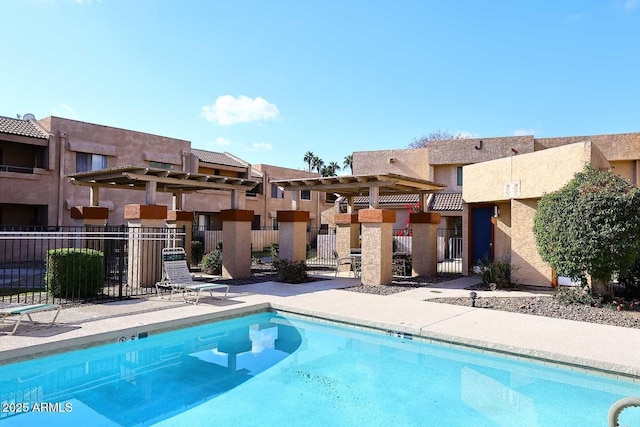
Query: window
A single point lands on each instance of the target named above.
(90, 162)
(276, 192)
(255, 224)
(255, 191)
(160, 165)
(459, 175)
(305, 195)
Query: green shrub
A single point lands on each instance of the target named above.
(197, 251)
(630, 281)
(291, 271)
(212, 262)
(74, 273)
(498, 272)
(568, 295)
(275, 251)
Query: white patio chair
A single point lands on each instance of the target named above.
(178, 279)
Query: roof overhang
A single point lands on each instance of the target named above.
(362, 185)
(137, 177)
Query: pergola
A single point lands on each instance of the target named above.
(153, 180)
(374, 186)
(377, 224)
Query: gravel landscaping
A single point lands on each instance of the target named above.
(627, 317)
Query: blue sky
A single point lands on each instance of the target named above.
(271, 80)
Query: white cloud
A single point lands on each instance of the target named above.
(627, 5)
(524, 132)
(464, 134)
(260, 146)
(228, 110)
(222, 141)
(239, 146)
(66, 111)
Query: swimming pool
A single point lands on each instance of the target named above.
(269, 369)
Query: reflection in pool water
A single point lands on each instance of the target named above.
(268, 369)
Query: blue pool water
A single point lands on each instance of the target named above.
(266, 369)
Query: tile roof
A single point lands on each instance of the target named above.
(439, 201)
(392, 199)
(217, 158)
(29, 128)
(446, 202)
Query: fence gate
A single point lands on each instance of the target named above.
(449, 249)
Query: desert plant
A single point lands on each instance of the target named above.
(197, 251)
(568, 295)
(212, 262)
(495, 272)
(290, 271)
(72, 272)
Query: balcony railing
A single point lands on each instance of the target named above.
(16, 169)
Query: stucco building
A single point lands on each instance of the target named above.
(36, 156)
(494, 185)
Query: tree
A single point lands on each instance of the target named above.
(317, 163)
(438, 135)
(348, 162)
(308, 159)
(590, 227)
(333, 168)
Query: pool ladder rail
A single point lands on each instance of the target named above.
(619, 406)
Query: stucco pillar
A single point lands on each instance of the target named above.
(144, 254)
(347, 236)
(293, 235)
(90, 215)
(377, 245)
(179, 220)
(94, 219)
(236, 243)
(424, 243)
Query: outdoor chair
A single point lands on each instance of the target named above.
(21, 310)
(178, 279)
(344, 261)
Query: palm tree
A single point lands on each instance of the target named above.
(334, 168)
(317, 163)
(348, 162)
(308, 158)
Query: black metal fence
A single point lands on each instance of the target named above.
(130, 256)
(449, 249)
(265, 244)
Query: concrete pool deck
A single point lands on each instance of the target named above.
(610, 349)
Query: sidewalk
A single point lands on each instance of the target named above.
(608, 348)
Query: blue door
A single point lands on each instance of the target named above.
(482, 235)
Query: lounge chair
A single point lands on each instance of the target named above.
(21, 310)
(178, 279)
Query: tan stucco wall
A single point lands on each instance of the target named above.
(407, 162)
(502, 233)
(622, 146)
(464, 151)
(535, 173)
(527, 265)
(121, 147)
(447, 175)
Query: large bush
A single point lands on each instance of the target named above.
(74, 273)
(590, 227)
(212, 262)
(291, 271)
